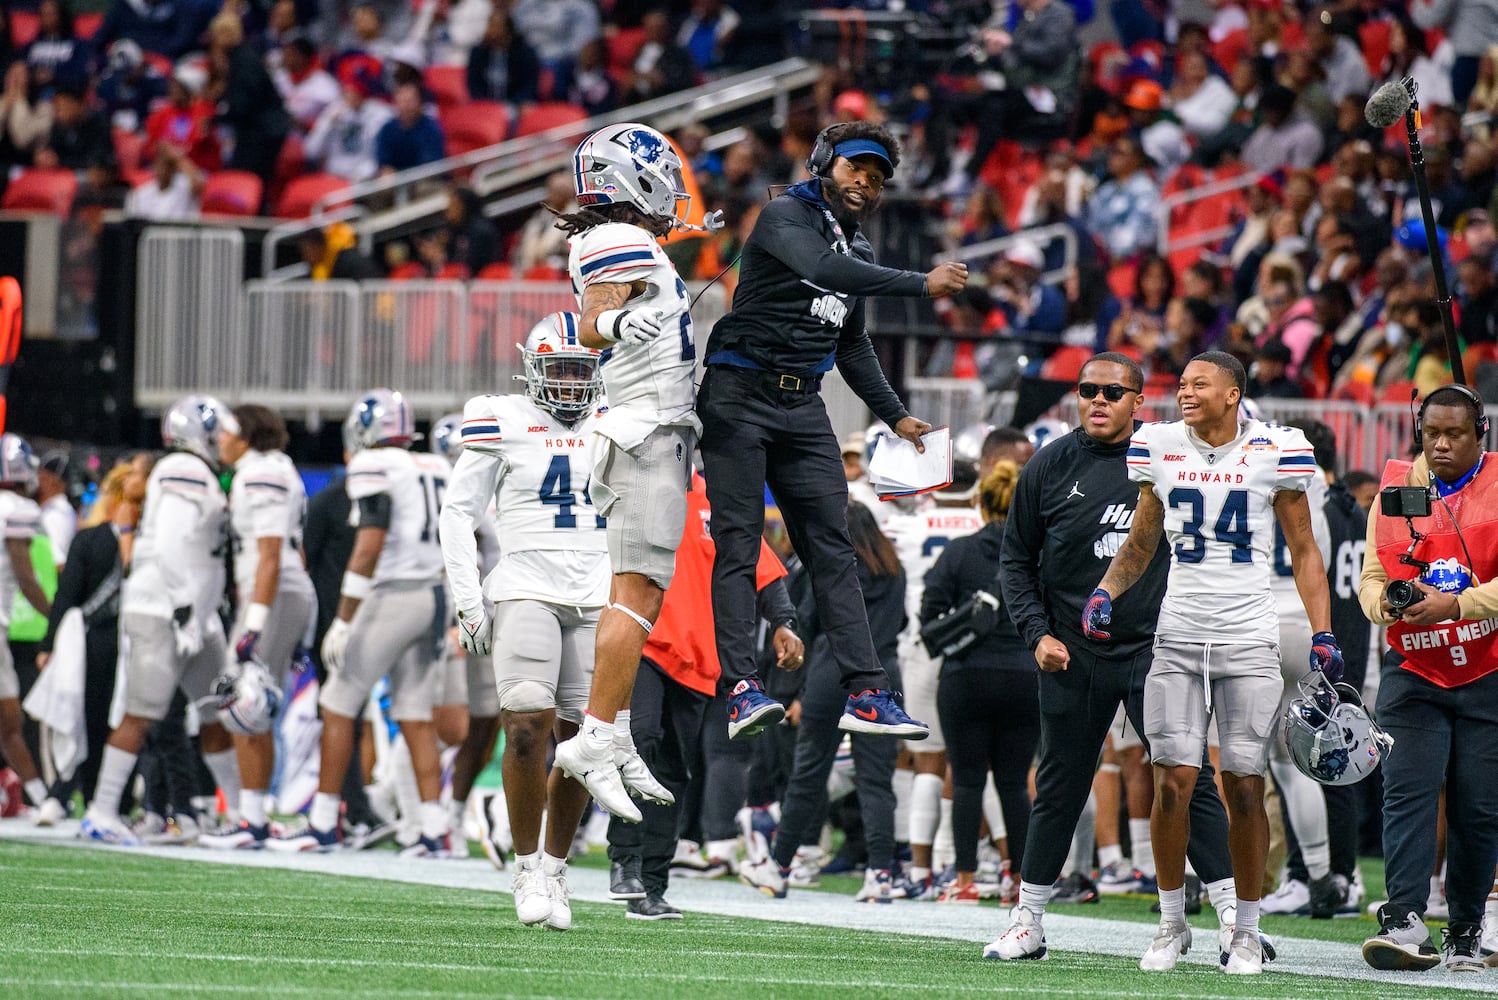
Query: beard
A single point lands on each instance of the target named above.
(846, 214)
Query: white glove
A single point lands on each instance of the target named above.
(631, 326)
(475, 631)
(185, 631)
(333, 645)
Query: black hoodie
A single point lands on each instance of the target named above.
(1349, 530)
(1071, 511)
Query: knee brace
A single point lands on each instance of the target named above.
(525, 695)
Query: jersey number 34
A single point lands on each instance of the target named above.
(1231, 527)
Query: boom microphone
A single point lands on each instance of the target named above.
(1387, 105)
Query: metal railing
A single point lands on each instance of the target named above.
(187, 307)
(1041, 236)
(1165, 244)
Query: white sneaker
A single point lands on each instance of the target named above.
(689, 858)
(806, 868)
(1489, 941)
(107, 830)
(1435, 906)
(1024, 938)
(457, 833)
(242, 838)
(878, 886)
(1171, 941)
(1293, 896)
(51, 812)
(560, 894)
(637, 777)
(599, 775)
(532, 904)
(1245, 956)
(763, 875)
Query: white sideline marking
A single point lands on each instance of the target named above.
(1325, 960)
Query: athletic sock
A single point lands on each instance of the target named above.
(1034, 897)
(407, 792)
(115, 768)
(943, 846)
(1112, 854)
(993, 812)
(1141, 847)
(551, 865)
(36, 791)
(433, 820)
(1223, 895)
(1173, 905)
(925, 808)
(225, 769)
(624, 738)
(252, 806)
(1248, 917)
(324, 812)
(528, 861)
(903, 785)
(597, 735)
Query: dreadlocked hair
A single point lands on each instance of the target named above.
(574, 223)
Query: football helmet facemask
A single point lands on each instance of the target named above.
(1329, 734)
(380, 417)
(247, 699)
(630, 164)
(561, 375)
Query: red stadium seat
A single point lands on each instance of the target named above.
(86, 26)
(1066, 364)
(1374, 36)
(543, 272)
(474, 125)
(129, 149)
(42, 191)
(408, 271)
(24, 26)
(303, 192)
(548, 114)
(448, 84)
(1356, 392)
(624, 46)
(232, 192)
(453, 272)
(1396, 392)
(498, 271)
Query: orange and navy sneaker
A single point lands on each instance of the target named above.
(751, 711)
(877, 713)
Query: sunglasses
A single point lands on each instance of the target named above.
(1112, 393)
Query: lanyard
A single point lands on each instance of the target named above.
(837, 231)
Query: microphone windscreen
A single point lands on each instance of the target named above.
(1387, 105)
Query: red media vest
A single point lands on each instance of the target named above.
(1449, 654)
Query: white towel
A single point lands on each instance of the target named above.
(56, 699)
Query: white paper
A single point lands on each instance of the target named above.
(896, 467)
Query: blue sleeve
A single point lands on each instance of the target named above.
(433, 142)
(384, 140)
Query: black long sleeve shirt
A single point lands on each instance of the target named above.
(1071, 511)
(798, 307)
(965, 567)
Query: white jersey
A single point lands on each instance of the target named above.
(1286, 596)
(1219, 520)
(267, 500)
(532, 470)
(648, 385)
(415, 483)
(919, 538)
(181, 542)
(20, 518)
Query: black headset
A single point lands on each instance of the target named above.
(1483, 423)
(819, 163)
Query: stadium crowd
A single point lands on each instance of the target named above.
(1311, 272)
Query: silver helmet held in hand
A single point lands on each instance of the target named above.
(1329, 734)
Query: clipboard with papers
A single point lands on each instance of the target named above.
(896, 469)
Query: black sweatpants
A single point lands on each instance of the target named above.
(991, 719)
(1077, 706)
(666, 722)
(752, 436)
(101, 653)
(725, 774)
(168, 763)
(1440, 735)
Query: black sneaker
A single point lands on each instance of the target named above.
(651, 908)
(624, 880)
(1075, 888)
(1402, 943)
(1327, 895)
(1462, 946)
(1193, 887)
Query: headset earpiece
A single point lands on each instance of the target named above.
(1483, 423)
(819, 163)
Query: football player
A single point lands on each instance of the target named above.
(919, 537)
(1215, 484)
(524, 456)
(20, 520)
(390, 614)
(635, 308)
(267, 506)
(169, 608)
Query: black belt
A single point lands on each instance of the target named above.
(778, 381)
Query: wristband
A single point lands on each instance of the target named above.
(607, 324)
(789, 623)
(356, 587)
(255, 616)
(925, 287)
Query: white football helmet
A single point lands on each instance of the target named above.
(380, 417)
(446, 437)
(1329, 735)
(630, 164)
(18, 463)
(193, 423)
(561, 375)
(967, 445)
(1045, 430)
(247, 699)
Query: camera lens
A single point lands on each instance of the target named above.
(1400, 594)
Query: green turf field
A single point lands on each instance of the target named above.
(101, 923)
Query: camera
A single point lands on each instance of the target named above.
(1402, 594)
(1404, 501)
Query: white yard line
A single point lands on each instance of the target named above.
(1066, 932)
